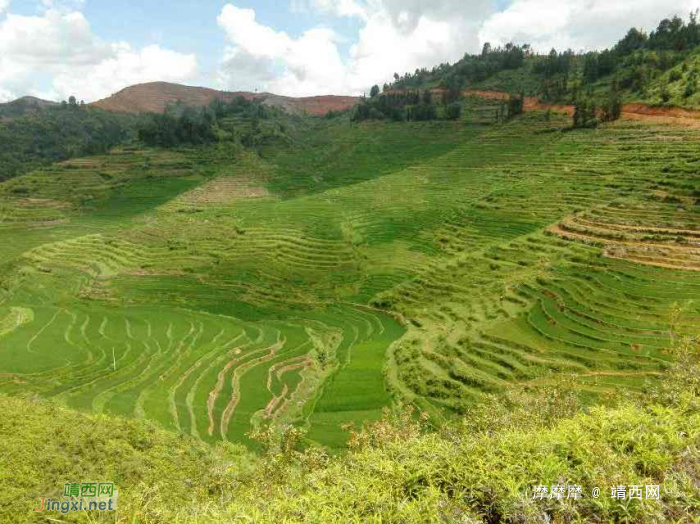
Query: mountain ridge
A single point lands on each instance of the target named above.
(30, 100)
(25, 104)
(155, 97)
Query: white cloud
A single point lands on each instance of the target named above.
(126, 67)
(50, 39)
(273, 61)
(401, 41)
(403, 35)
(593, 24)
(349, 8)
(57, 51)
(395, 37)
(60, 44)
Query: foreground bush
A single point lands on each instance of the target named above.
(482, 469)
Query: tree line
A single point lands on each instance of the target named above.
(57, 133)
(181, 124)
(634, 61)
(406, 106)
(472, 68)
(564, 76)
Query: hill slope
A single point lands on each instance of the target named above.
(23, 105)
(155, 97)
(659, 68)
(484, 470)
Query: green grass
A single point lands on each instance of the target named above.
(320, 281)
(483, 468)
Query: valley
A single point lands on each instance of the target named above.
(212, 290)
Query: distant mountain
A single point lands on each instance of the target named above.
(23, 105)
(32, 101)
(155, 97)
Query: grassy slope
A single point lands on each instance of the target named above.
(676, 88)
(521, 80)
(482, 470)
(214, 296)
(44, 445)
(524, 80)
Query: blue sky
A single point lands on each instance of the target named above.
(92, 48)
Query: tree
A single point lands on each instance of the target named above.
(665, 95)
(635, 39)
(591, 69)
(422, 112)
(612, 108)
(374, 91)
(585, 113)
(72, 101)
(691, 85)
(453, 111)
(516, 105)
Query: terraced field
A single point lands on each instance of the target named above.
(214, 290)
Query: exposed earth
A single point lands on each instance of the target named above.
(155, 97)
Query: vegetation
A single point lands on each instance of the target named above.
(57, 133)
(242, 267)
(516, 105)
(482, 469)
(471, 69)
(659, 68)
(416, 317)
(238, 120)
(400, 107)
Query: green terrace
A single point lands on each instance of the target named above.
(214, 289)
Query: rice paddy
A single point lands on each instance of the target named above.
(216, 290)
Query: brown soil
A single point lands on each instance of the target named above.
(277, 402)
(155, 97)
(643, 112)
(225, 190)
(236, 383)
(650, 254)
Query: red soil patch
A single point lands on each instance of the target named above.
(321, 105)
(667, 115)
(155, 97)
(531, 102)
(672, 115)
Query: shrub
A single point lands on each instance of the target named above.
(675, 76)
(665, 95)
(453, 111)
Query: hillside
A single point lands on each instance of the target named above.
(23, 105)
(398, 470)
(156, 96)
(39, 133)
(507, 253)
(430, 308)
(661, 68)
